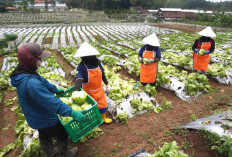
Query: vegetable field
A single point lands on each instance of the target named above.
(57, 36)
(144, 117)
(70, 17)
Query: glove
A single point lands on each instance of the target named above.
(140, 60)
(78, 84)
(107, 90)
(77, 115)
(197, 50)
(156, 60)
(207, 51)
(59, 91)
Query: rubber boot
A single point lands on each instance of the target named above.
(48, 148)
(106, 120)
(63, 150)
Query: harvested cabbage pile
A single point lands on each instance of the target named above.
(77, 102)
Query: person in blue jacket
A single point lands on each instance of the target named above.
(39, 104)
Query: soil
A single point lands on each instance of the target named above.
(148, 131)
(65, 65)
(7, 120)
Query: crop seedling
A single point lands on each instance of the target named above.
(8, 127)
(166, 104)
(193, 117)
(9, 102)
(217, 111)
(221, 144)
(185, 144)
(116, 148)
(122, 117)
(179, 131)
(169, 149)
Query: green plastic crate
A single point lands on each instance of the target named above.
(76, 130)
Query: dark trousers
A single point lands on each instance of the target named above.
(144, 84)
(57, 131)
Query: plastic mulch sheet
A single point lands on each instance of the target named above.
(179, 89)
(127, 45)
(216, 123)
(109, 49)
(225, 80)
(28, 138)
(125, 106)
(140, 153)
(7, 66)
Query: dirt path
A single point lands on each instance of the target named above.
(7, 122)
(65, 66)
(7, 119)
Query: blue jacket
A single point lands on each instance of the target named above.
(82, 71)
(37, 100)
(156, 50)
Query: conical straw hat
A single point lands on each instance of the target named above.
(151, 40)
(207, 32)
(86, 50)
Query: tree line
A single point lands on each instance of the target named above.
(148, 4)
(126, 4)
(216, 20)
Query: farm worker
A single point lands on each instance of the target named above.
(149, 55)
(201, 61)
(90, 75)
(38, 103)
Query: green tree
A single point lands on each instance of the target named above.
(32, 2)
(100, 4)
(3, 44)
(2, 7)
(125, 4)
(46, 5)
(24, 4)
(148, 4)
(11, 37)
(5, 41)
(133, 2)
(53, 4)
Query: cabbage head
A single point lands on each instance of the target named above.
(76, 108)
(145, 60)
(201, 52)
(65, 100)
(79, 97)
(86, 106)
